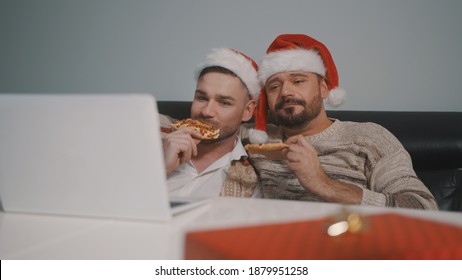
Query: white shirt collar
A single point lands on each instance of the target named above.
(236, 154)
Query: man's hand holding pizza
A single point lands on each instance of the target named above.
(302, 159)
(180, 145)
(304, 162)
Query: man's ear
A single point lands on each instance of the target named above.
(248, 110)
(323, 88)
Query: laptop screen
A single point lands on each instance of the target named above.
(96, 155)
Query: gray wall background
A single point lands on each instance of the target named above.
(391, 54)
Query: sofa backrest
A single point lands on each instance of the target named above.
(433, 139)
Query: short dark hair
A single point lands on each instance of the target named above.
(216, 69)
(222, 70)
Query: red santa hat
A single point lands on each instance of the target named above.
(240, 64)
(291, 52)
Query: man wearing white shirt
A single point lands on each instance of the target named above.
(226, 95)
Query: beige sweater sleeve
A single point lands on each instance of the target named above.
(393, 183)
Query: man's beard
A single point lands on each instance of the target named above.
(291, 120)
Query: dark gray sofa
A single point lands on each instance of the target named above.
(433, 139)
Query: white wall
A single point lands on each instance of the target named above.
(390, 54)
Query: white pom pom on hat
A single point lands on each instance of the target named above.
(336, 97)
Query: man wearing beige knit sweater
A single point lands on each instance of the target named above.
(327, 159)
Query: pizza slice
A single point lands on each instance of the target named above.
(207, 131)
(269, 150)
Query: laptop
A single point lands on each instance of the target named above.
(92, 155)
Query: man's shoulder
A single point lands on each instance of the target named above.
(368, 128)
(368, 132)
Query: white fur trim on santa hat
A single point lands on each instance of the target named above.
(258, 136)
(336, 97)
(290, 60)
(235, 62)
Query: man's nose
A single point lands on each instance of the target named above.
(209, 110)
(286, 89)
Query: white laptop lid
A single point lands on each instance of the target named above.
(94, 155)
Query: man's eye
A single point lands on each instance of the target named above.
(273, 87)
(201, 98)
(298, 81)
(226, 103)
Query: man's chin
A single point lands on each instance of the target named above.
(213, 141)
(287, 116)
(224, 135)
(210, 141)
(291, 110)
